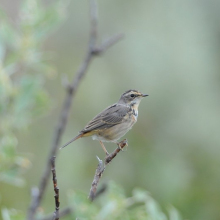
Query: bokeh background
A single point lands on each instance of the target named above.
(171, 51)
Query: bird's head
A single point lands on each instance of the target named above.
(131, 97)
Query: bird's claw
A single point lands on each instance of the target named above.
(122, 143)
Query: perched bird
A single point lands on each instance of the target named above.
(113, 122)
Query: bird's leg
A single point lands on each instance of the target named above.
(103, 147)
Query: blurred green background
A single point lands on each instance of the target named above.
(171, 51)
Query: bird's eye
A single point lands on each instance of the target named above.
(132, 95)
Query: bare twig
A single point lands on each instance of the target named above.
(71, 91)
(120, 147)
(68, 210)
(108, 43)
(100, 168)
(62, 213)
(56, 189)
(98, 174)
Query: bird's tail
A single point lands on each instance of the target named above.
(75, 138)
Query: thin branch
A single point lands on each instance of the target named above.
(98, 174)
(108, 43)
(120, 147)
(64, 212)
(100, 168)
(93, 23)
(68, 210)
(71, 91)
(56, 189)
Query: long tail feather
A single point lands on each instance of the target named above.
(75, 138)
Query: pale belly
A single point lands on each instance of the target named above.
(116, 132)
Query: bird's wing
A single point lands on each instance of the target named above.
(109, 117)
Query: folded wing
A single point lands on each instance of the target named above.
(111, 116)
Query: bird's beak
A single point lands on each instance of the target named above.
(144, 95)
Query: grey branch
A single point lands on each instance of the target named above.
(98, 175)
(70, 94)
(107, 43)
(100, 168)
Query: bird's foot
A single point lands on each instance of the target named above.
(123, 144)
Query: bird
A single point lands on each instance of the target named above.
(114, 121)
